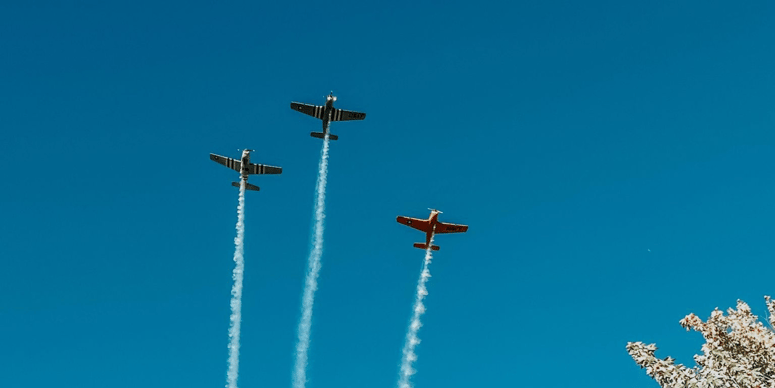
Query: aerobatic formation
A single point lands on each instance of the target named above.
(430, 226)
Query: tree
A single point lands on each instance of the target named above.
(739, 351)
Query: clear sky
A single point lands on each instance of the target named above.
(614, 162)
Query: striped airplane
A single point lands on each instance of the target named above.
(327, 113)
(245, 168)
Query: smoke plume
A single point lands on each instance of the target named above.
(236, 292)
(418, 309)
(313, 269)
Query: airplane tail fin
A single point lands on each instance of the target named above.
(321, 135)
(425, 246)
(248, 186)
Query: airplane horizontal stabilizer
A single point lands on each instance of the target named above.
(425, 246)
(321, 135)
(248, 186)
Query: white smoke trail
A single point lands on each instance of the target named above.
(412, 340)
(236, 292)
(311, 282)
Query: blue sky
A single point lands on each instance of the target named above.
(614, 163)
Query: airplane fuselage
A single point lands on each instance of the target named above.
(434, 219)
(329, 109)
(245, 167)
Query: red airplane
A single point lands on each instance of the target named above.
(431, 226)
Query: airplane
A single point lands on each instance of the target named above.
(327, 113)
(431, 226)
(245, 168)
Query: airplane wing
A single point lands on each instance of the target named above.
(263, 169)
(228, 162)
(315, 111)
(450, 228)
(423, 225)
(346, 115)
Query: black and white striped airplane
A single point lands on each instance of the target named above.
(327, 113)
(245, 168)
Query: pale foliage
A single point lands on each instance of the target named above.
(739, 351)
